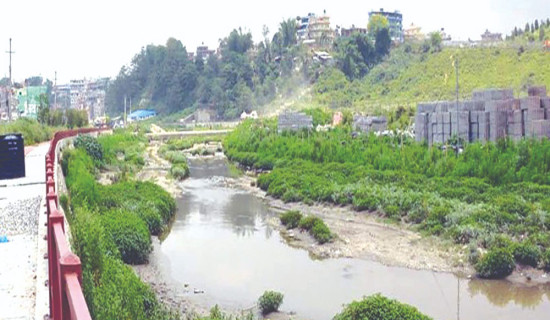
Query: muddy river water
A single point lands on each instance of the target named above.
(221, 243)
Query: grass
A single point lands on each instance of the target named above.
(408, 76)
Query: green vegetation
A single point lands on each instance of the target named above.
(270, 301)
(314, 225)
(415, 72)
(91, 145)
(123, 151)
(291, 219)
(229, 83)
(179, 171)
(111, 225)
(378, 307)
(32, 131)
(496, 263)
(486, 194)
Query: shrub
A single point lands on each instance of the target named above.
(91, 145)
(270, 301)
(496, 263)
(179, 171)
(527, 253)
(378, 307)
(546, 260)
(291, 219)
(130, 235)
(321, 232)
(307, 223)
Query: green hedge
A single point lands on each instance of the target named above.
(130, 234)
(378, 307)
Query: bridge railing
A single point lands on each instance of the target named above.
(65, 271)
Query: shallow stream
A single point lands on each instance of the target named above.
(221, 243)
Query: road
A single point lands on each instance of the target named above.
(22, 266)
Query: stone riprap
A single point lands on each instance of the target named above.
(491, 115)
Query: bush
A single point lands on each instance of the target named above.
(496, 263)
(270, 302)
(179, 171)
(130, 235)
(307, 223)
(527, 253)
(378, 307)
(91, 145)
(291, 219)
(546, 260)
(321, 232)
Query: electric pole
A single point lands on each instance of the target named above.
(457, 117)
(55, 91)
(10, 84)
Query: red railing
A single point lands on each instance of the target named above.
(65, 272)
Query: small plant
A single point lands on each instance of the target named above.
(527, 253)
(546, 260)
(179, 171)
(496, 263)
(307, 223)
(270, 301)
(91, 145)
(380, 308)
(291, 219)
(321, 232)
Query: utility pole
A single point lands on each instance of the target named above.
(124, 110)
(9, 100)
(457, 117)
(55, 91)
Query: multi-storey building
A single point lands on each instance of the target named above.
(82, 94)
(395, 20)
(491, 37)
(315, 30)
(413, 33)
(348, 32)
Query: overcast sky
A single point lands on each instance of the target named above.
(95, 38)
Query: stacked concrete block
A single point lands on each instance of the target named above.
(368, 124)
(421, 126)
(538, 129)
(530, 103)
(460, 124)
(537, 91)
(493, 94)
(491, 115)
(294, 121)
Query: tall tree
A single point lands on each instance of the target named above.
(536, 24)
(376, 23)
(541, 34)
(287, 28)
(527, 27)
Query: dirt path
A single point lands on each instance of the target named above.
(156, 170)
(363, 235)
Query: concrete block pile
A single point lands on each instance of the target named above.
(294, 121)
(368, 124)
(490, 115)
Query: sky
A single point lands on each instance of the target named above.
(90, 39)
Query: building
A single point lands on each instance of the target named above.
(303, 26)
(348, 32)
(395, 20)
(368, 124)
(204, 53)
(141, 114)
(82, 94)
(491, 37)
(315, 30)
(413, 33)
(29, 100)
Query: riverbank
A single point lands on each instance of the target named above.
(362, 235)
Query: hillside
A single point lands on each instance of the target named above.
(408, 75)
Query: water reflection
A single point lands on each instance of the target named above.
(220, 243)
(501, 292)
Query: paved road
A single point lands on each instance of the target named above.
(21, 261)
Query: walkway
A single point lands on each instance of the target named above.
(22, 266)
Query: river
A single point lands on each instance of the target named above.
(221, 243)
